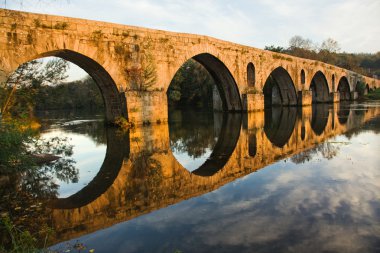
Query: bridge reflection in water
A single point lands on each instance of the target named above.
(140, 173)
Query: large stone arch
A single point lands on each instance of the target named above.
(320, 88)
(279, 88)
(344, 89)
(115, 104)
(225, 82)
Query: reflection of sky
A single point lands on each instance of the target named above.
(317, 206)
(88, 155)
(189, 162)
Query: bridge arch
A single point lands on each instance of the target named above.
(344, 89)
(114, 104)
(319, 88)
(303, 76)
(279, 88)
(223, 78)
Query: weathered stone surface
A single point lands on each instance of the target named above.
(124, 58)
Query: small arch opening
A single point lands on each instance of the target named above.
(251, 76)
(302, 76)
(333, 82)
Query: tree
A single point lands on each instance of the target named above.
(277, 49)
(330, 45)
(27, 78)
(299, 42)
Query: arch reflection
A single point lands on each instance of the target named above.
(117, 148)
(228, 137)
(319, 118)
(279, 124)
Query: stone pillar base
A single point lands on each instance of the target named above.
(305, 97)
(334, 97)
(354, 95)
(146, 107)
(253, 102)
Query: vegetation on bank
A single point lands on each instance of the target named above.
(373, 95)
(329, 52)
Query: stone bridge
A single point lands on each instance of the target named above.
(133, 67)
(146, 176)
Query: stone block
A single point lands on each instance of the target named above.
(146, 107)
(305, 97)
(253, 102)
(334, 97)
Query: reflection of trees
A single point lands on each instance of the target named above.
(145, 179)
(22, 196)
(81, 122)
(327, 150)
(188, 137)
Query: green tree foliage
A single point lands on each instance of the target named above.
(81, 94)
(329, 52)
(18, 92)
(191, 87)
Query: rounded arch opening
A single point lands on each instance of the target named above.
(251, 76)
(367, 89)
(114, 103)
(319, 88)
(279, 89)
(302, 76)
(344, 89)
(226, 90)
(333, 82)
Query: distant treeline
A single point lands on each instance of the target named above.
(329, 52)
(81, 94)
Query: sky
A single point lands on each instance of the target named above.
(355, 24)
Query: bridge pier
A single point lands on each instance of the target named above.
(305, 97)
(354, 95)
(253, 102)
(334, 97)
(146, 107)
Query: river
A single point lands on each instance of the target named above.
(283, 180)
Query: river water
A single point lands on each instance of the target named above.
(283, 180)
